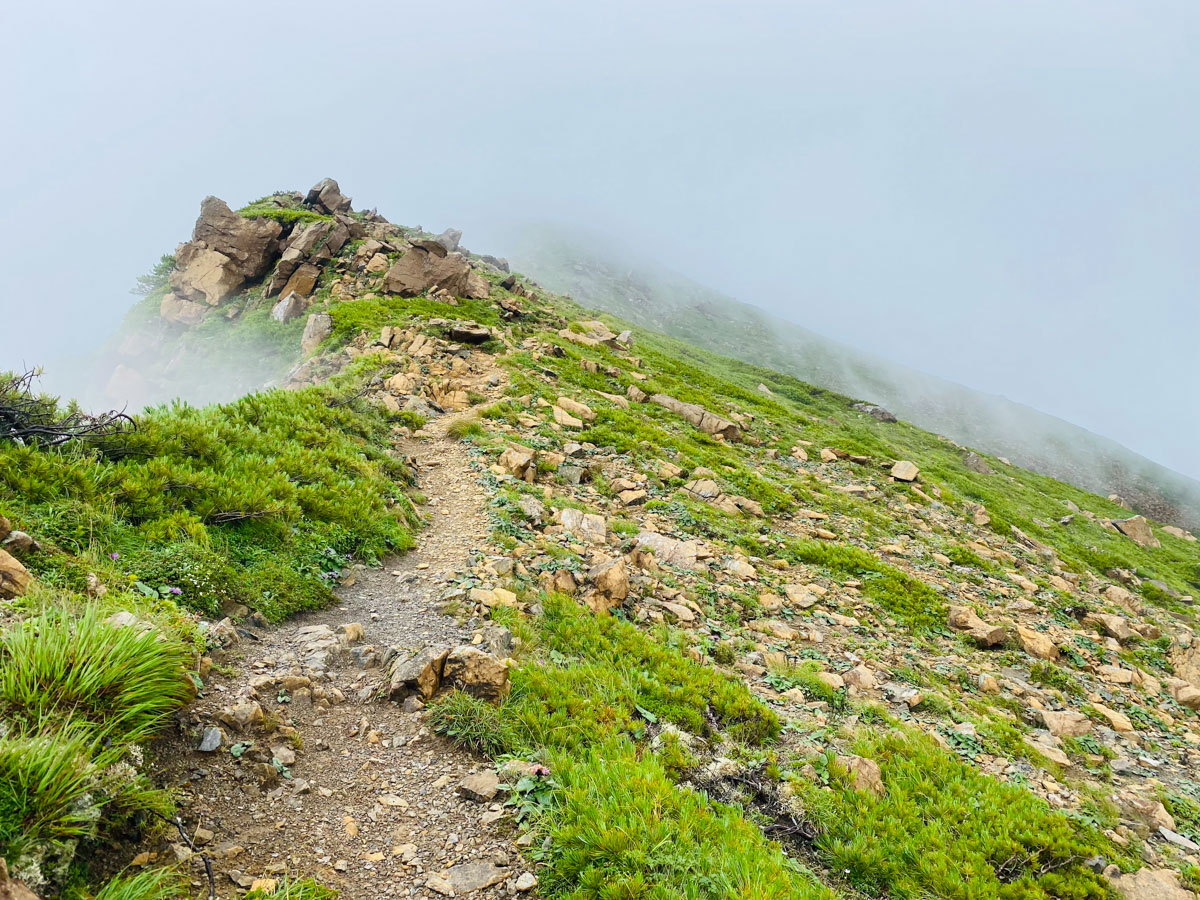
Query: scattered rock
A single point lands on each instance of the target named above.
(965, 619)
(1137, 530)
(477, 673)
(318, 327)
(14, 577)
(482, 787)
(864, 774)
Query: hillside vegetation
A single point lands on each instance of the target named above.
(757, 639)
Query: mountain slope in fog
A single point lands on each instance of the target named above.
(670, 302)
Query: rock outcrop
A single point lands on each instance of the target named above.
(428, 266)
(225, 251)
(700, 417)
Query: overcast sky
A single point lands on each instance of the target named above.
(1001, 193)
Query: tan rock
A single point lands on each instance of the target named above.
(904, 470)
(174, 308)
(860, 677)
(1151, 884)
(477, 673)
(1147, 810)
(564, 418)
(1137, 530)
(1113, 626)
(1066, 723)
(670, 551)
(575, 408)
(590, 527)
(700, 417)
(1176, 531)
(965, 619)
(1036, 644)
(611, 581)
(864, 774)
(1117, 721)
(423, 268)
(420, 673)
(518, 461)
(14, 577)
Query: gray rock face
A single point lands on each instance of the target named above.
(875, 412)
(318, 327)
(450, 238)
(211, 740)
(976, 463)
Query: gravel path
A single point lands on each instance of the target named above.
(369, 804)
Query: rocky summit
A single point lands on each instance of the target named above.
(479, 593)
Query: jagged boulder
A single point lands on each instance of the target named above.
(427, 266)
(250, 244)
(314, 243)
(203, 275)
(611, 585)
(303, 280)
(226, 249)
(518, 461)
(326, 196)
(420, 673)
(450, 239)
(1137, 530)
(477, 673)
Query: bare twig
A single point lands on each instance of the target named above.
(29, 419)
(204, 857)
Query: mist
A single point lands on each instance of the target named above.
(998, 194)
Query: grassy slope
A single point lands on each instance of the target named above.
(944, 830)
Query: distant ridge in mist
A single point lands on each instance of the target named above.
(657, 298)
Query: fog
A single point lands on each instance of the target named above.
(1002, 194)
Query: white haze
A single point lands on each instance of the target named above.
(998, 193)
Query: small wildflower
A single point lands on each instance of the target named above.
(114, 556)
(176, 591)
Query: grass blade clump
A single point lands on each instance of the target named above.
(121, 681)
(152, 884)
(43, 780)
